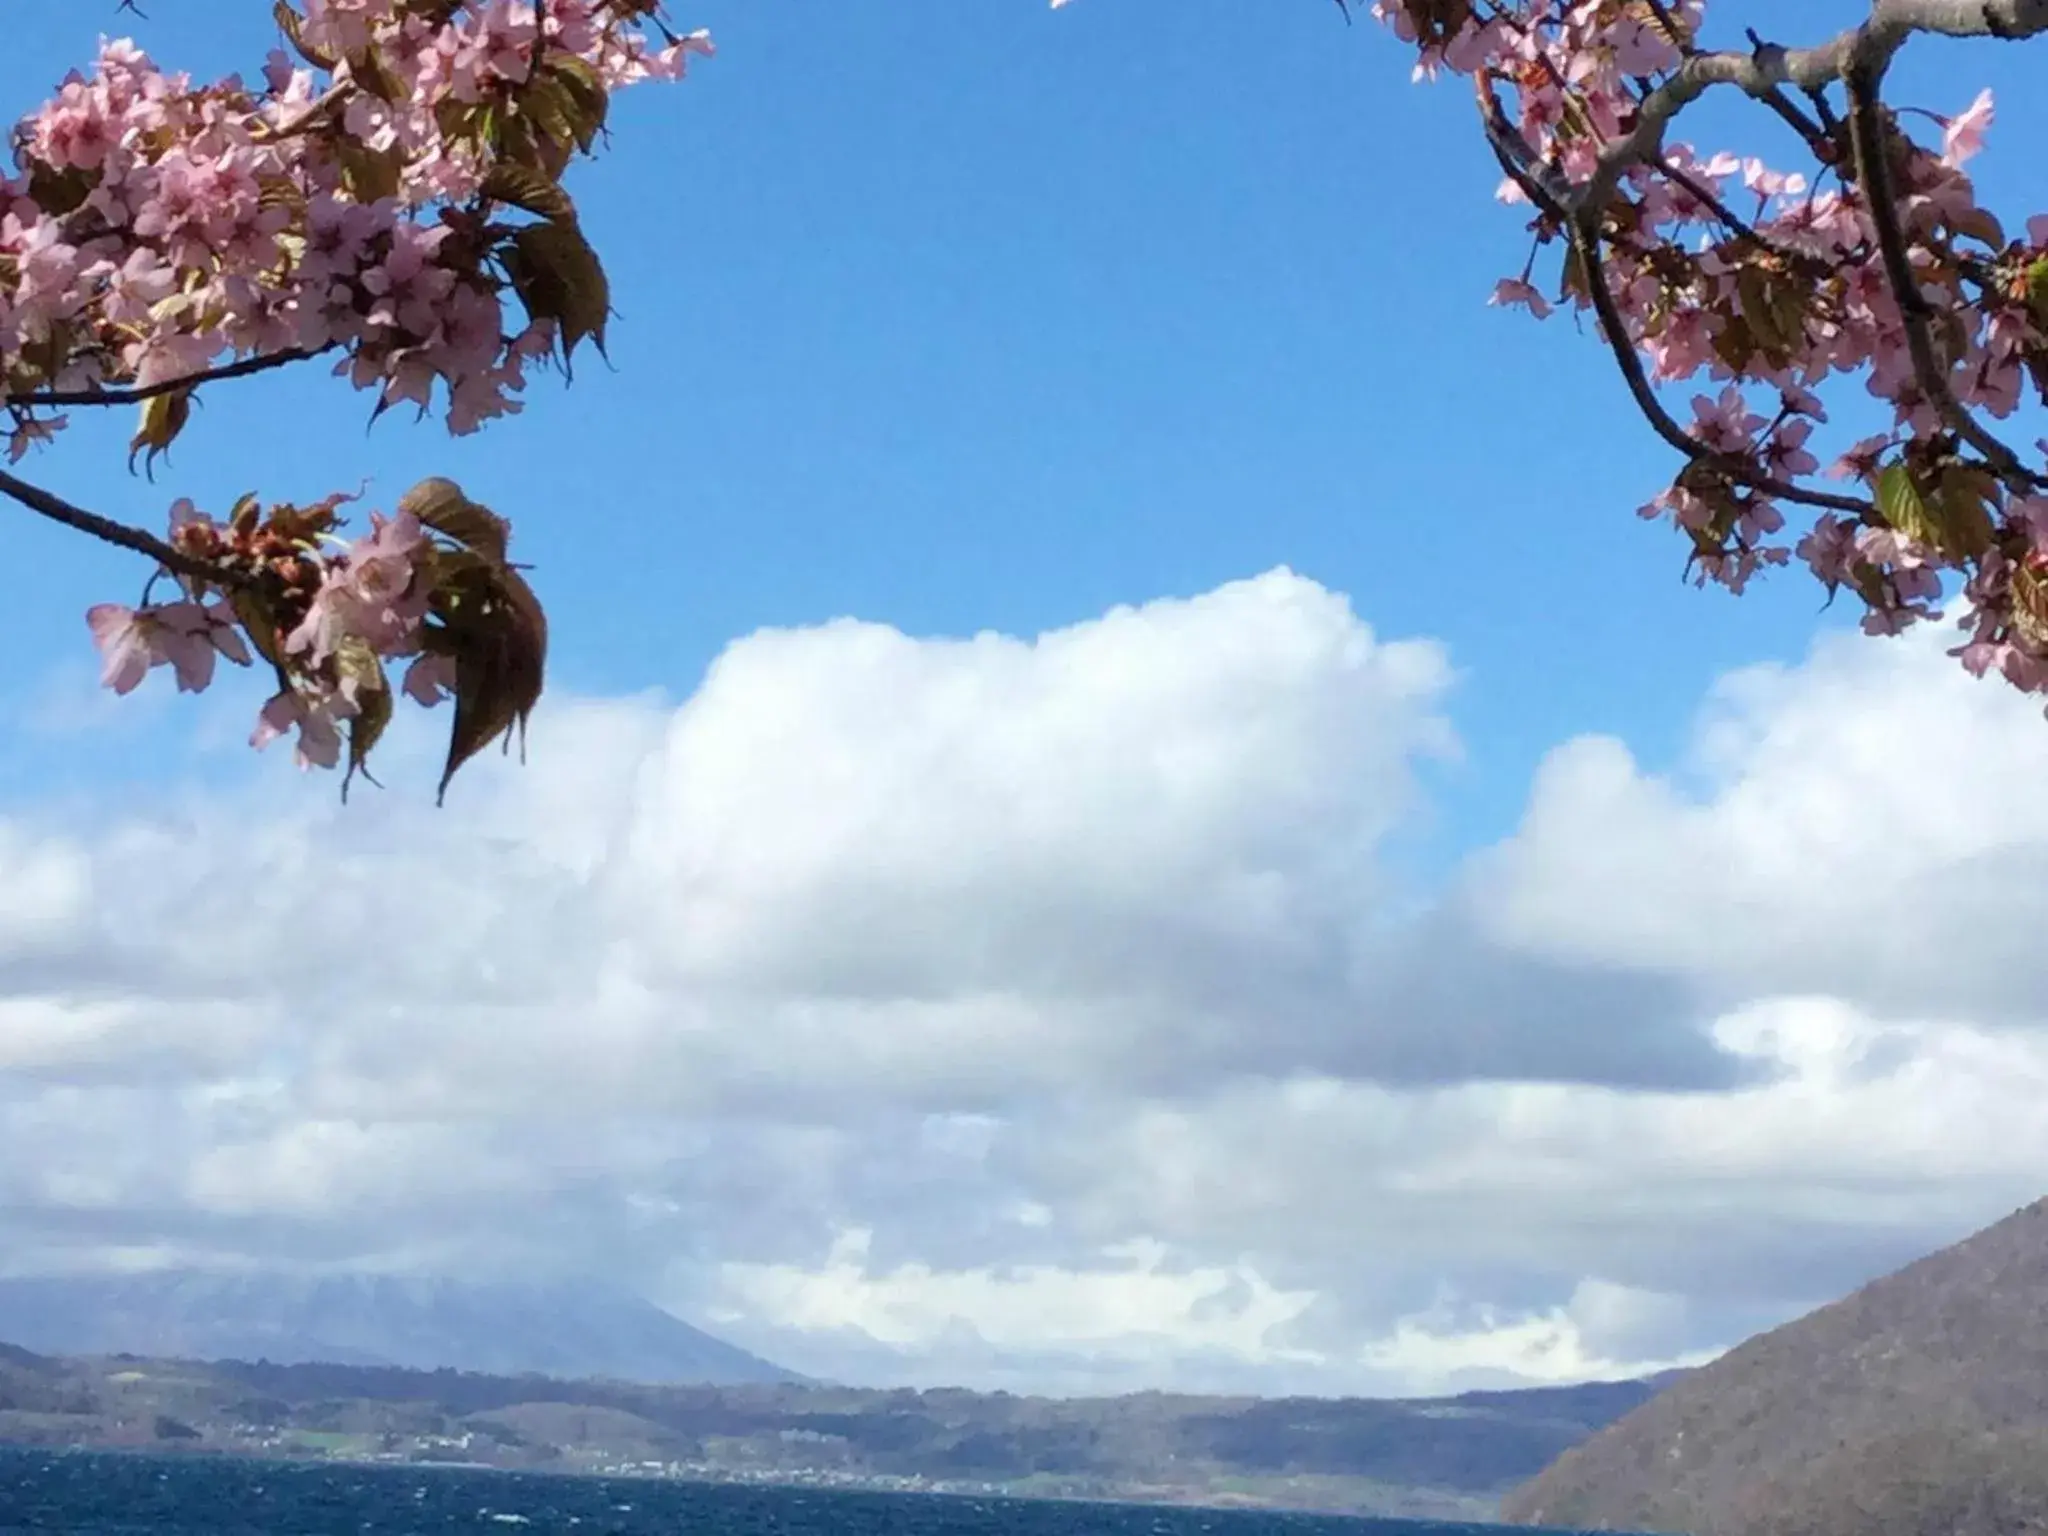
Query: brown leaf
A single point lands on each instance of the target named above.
(440, 505)
(1788, 310)
(552, 109)
(524, 187)
(1734, 343)
(363, 674)
(369, 70)
(1754, 296)
(1663, 19)
(292, 26)
(259, 623)
(462, 121)
(1981, 223)
(280, 192)
(368, 174)
(586, 92)
(1438, 21)
(558, 277)
(500, 647)
(2030, 606)
(59, 192)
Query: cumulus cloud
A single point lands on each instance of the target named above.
(1864, 825)
(1043, 1013)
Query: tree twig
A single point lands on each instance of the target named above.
(137, 394)
(1584, 232)
(1586, 241)
(1712, 202)
(58, 510)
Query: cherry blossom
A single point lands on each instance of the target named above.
(1874, 262)
(1871, 262)
(388, 195)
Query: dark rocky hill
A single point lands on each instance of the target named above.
(570, 1330)
(1917, 1405)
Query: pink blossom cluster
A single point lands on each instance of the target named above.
(330, 614)
(382, 195)
(1770, 284)
(156, 228)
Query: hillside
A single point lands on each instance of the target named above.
(1918, 1404)
(555, 1330)
(1451, 1458)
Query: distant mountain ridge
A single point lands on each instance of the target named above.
(560, 1329)
(1917, 1404)
(1446, 1458)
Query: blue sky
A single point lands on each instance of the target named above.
(964, 317)
(1066, 1017)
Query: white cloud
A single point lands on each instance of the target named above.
(1067, 974)
(44, 889)
(1126, 806)
(1576, 1341)
(1130, 1303)
(1867, 824)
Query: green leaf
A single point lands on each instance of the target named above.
(1900, 504)
(1953, 519)
(1573, 281)
(2037, 289)
(163, 418)
(1964, 501)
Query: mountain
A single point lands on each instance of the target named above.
(373, 1320)
(1918, 1404)
(1448, 1458)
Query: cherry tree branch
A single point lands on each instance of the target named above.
(43, 503)
(1583, 226)
(1873, 173)
(1766, 72)
(1614, 329)
(137, 394)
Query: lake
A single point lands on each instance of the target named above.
(83, 1494)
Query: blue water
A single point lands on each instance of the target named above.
(99, 1495)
